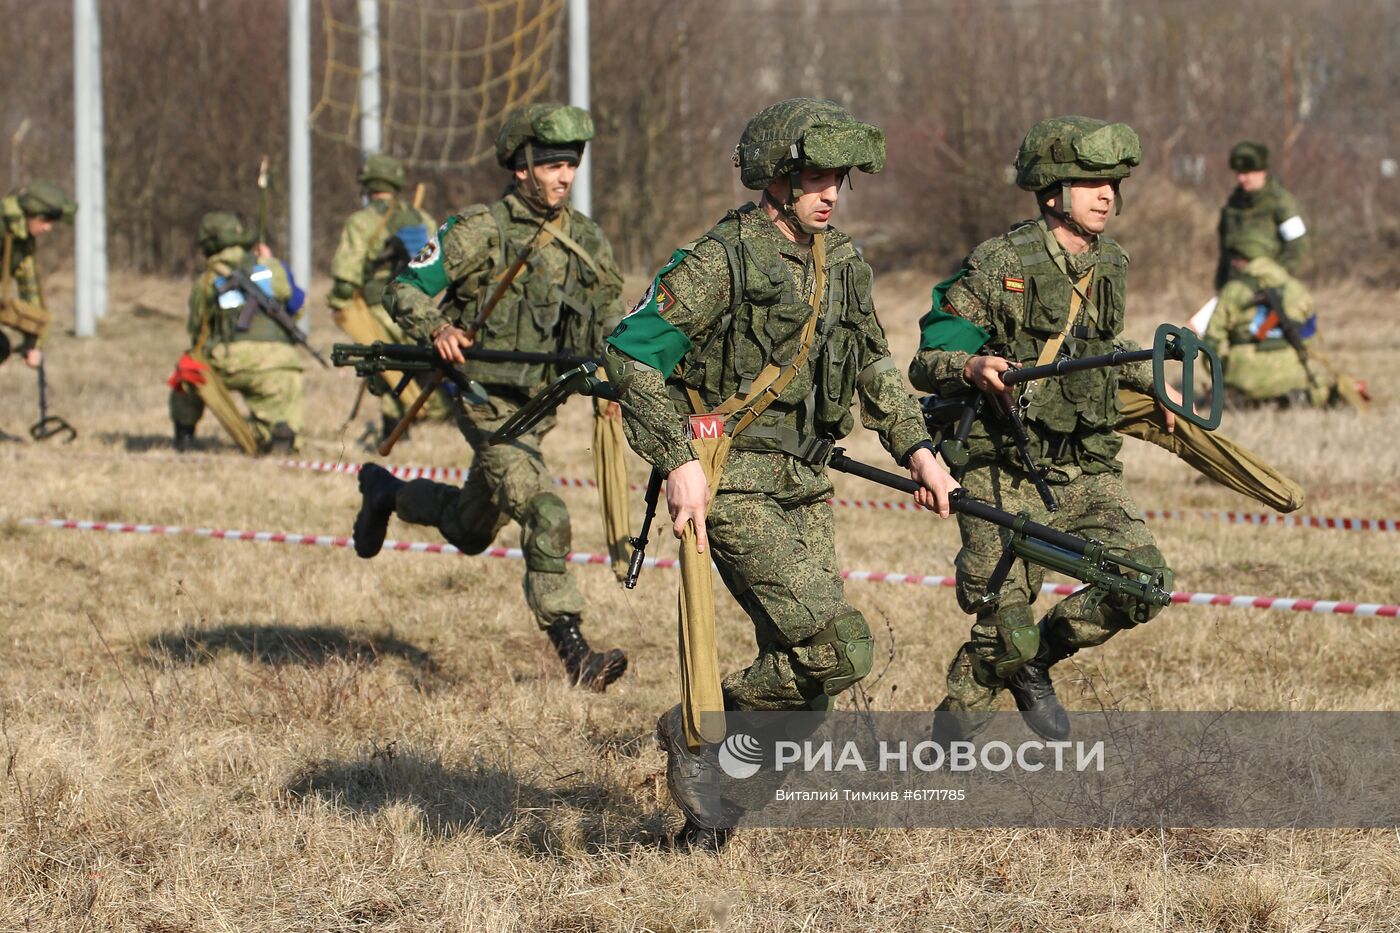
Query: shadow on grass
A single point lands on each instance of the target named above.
(284, 644)
(451, 800)
(210, 441)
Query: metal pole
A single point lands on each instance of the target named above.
(370, 114)
(90, 263)
(299, 132)
(578, 94)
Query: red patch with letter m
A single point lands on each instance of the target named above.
(1012, 284)
(706, 426)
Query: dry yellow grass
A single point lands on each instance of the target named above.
(201, 735)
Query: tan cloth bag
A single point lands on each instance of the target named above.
(1210, 453)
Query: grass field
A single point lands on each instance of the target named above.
(205, 735)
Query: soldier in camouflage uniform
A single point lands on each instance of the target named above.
(378, 240)
(1013, 294)
(1260, 208)
(27, 215)
(260, 363)
(565, 299)
(1260, 364)
(717, 315)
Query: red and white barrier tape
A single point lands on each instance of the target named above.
(457, 474)
(1323, 606)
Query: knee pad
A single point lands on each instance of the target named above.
(1020, 640)
(546, 535)
(1129, 612)
(839, 655)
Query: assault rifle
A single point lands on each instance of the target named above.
(257, 301)
(375, 359)
(639, 542)
(1088, 561)
(951, 419)
(1272, 298)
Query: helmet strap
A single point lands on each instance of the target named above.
(533, 192)
(1063, 213)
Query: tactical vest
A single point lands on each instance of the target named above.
(226, 309)
(1255, 212)
(535, 314)
(403, 231)
(1073, 415)
(764, 324)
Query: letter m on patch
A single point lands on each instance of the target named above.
(706, 426)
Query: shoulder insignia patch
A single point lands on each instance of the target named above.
(427, 255)
(1012, 284)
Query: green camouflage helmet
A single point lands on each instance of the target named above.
(221, 229)
(1249, 156)
(805, 132)
(382, 172)
(46, 199)
(549, 128)
(1061, 149)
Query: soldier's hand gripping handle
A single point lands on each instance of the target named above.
(688, 499)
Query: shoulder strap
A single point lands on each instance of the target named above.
(1076, 301)
(571, 244)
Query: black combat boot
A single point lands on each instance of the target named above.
(586, 667)
(1034, 692)
(184, 438)
(282, 440)
(379, 488)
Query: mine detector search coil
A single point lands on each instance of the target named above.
(49, 425)
(1089, 561)
(951, 419)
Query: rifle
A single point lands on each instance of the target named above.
(1088, 561)
(256, 301)
(375, 359)
(1272, 298)
(580, 380)
(639, 543)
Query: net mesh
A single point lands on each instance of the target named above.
(448, 74)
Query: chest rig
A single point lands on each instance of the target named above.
(1075, 413)
(764, 326)
(543, 310)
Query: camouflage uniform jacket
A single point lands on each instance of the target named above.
(365, 258)
(720, 311)
(215, 317)
(23, 270)
(559, 302)
(1272, 211)
(1238, 311)
(1011, 296)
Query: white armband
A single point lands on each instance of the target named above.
(1291, 229)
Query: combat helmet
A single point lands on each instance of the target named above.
(805, 132)
(538, 134)
(46, 199)
(1249, 156)
(219, 230)
(382, 172)
(1061, 150)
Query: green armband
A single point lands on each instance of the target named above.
(939, 330)
(648, 337)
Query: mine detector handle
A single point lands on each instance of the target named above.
(1089, 561)
(1169, 343)
(639, 543)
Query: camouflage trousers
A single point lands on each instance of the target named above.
(779, 562)
(1006, 635)
(507, 482)
(1261, 374)
(266, 374)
